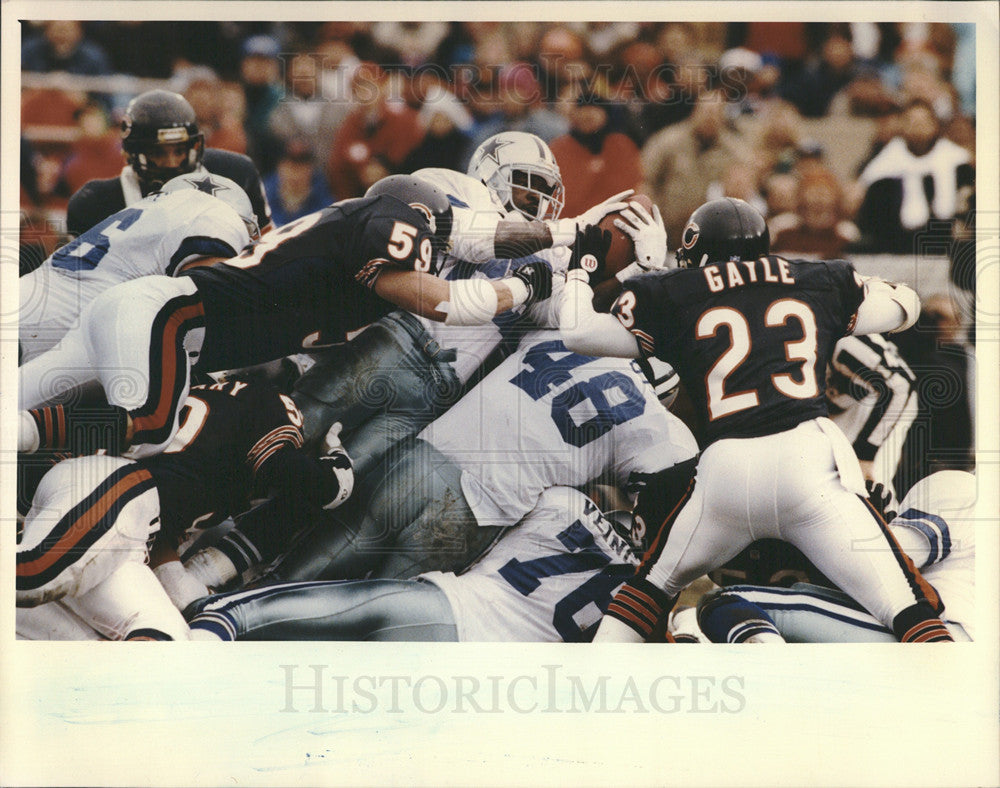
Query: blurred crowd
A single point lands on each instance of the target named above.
(852, 136)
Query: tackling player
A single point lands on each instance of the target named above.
(543, 417)
(161, 140)
(195, 218)
(309, 284)
(403, 371)
(86, 535)
(750, 336)
(935, 528)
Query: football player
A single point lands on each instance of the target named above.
(161, 140)
(750, 336)
(543, 417)
(935, 528)
(85, 538)
(872, 396)
(405, 370)
(195, 218)
(307, 285)
(548, 580)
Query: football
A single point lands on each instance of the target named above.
(622, 251)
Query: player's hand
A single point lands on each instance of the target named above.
(338, 461)
(589, 252)
(602, 209)
(564, 230)
(881, 498)
(648, 235)
(537, 277)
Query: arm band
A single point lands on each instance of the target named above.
(472, 302)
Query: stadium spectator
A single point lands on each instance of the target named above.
(304, 111)
(826, 73)
(339, 61)
(518, 107)
(415, 42)
(447, 123)
(818, 228)
(62, 46)
(260, 77)
(375, 138)
(942, 435)
(220, 110)
(96, 153)
(912, 184)
(673, 92)
(562, 58)
(682, 162)
(297, 186)
(595, 159)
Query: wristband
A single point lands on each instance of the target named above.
(563, 231)
(518, 290)
(632, 269)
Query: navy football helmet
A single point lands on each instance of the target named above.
(423, 196)
(156, 119)
(723, 230)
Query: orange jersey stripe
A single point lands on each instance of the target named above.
(83, 525)
(168, 368)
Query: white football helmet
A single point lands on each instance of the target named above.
(517, 160)
(221, 187)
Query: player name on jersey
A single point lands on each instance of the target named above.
(737, 274)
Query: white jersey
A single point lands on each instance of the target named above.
(549, 580)
(936, 527)
(153, 236)
(553, 417)
(475, 215)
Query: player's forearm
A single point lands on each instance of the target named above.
(588, 332)
(518, 238)
(459, 302)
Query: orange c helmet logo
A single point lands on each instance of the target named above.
(690, 235)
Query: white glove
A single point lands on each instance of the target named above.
(336, 458)
(564, 230)
(647, 233)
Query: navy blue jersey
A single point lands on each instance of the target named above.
(308, 283)
(229, 433)
(750, 340)
(96, 200)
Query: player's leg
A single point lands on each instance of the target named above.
(849, 543)
(143, 336)
(84, 543)
(803, 613)
(420, 483)
(52, 621)
(88, 516)
(396, 610)
(130, 604)
(391, 367)
(49, 376)
(437, 529)
(703, 530)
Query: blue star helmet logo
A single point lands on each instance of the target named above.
(207, 185)
(491, 147)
